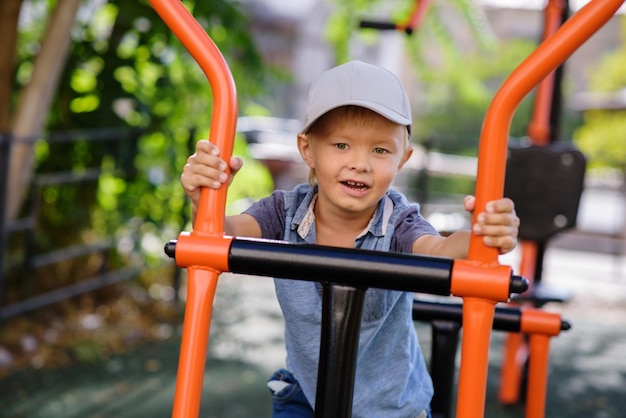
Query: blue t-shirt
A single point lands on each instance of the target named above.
(391, 378)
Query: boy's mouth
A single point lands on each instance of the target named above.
(355, 185)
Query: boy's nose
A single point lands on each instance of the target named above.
(359, 161)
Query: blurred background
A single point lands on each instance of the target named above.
(100, 106)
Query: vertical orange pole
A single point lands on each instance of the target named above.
(515, 348)
(477, 322)
(201, 285)
(538, 375)
(202, 281)
(528, 261)
(539, 128)
(490, 182)
(512, 371)
(541, 326)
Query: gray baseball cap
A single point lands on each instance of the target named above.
(359, 84)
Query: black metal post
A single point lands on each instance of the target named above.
(342, 307)
(444, 347)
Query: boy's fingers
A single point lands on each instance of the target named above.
(497, 219)
(500, 206)
(469, 202)
(235, 164)
(502, 230)
(504, 244)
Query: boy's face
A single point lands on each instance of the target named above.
(355, 160)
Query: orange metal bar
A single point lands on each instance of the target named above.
(480, 285)
(477, 321)
(538, 375)
(202, 281)
(494, 136)
(203, 250)
(418, 13)
(541, 326)
(540, 133)
(512, 371)
(201, 285)
(515, 347)
(478, 313)
(471, 279)
(224, 117)
(536, 321)
(539, 128)
(528, 261)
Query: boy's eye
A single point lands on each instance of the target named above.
(380, 151)
(341, 146)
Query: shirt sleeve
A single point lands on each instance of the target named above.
(269, 212)
(409, 227)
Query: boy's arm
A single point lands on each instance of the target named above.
(452, 246)
(497, 225)
(242, 225)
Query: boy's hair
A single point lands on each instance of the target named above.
(359, 84)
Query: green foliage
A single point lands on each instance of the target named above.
(602, 135)
(458, 92)
(127, 70)
(457, 84)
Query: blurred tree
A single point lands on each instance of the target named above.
(29, 118)
(123, 69)
(119, 66)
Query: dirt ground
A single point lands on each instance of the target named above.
(587, 376)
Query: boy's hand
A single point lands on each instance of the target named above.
(497, 225)
(206, 169)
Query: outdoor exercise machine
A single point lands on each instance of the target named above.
(446, 320)
(479, 280)
(547, 186)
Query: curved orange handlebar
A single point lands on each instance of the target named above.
(211, 210)
(494, 136)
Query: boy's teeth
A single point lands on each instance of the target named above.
(354, 184)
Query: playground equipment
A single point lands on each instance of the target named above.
(446, 318)
(547, 186)
(480, 280)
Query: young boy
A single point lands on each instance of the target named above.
(355, 139)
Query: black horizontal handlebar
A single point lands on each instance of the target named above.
(345, 266)
(370, 24)
(505, 318)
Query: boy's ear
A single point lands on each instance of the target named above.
(304, 146)
(406, 157)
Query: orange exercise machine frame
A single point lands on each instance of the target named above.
(479, 280)
(446, 318)
(516, 349)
